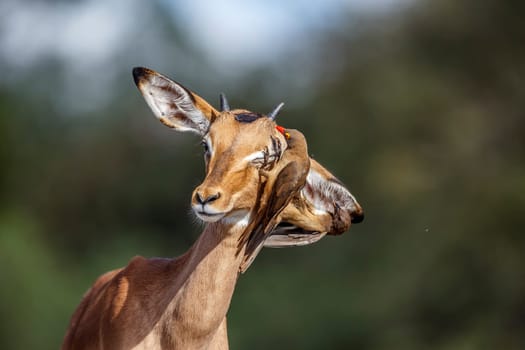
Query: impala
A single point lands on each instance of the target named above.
(261, 189)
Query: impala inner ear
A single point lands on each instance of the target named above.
(174, 105)
(327, 194)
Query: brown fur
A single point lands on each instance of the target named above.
(182, 303)
(162, 303)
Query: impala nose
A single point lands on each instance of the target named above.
(203, 199)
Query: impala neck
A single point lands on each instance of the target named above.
(216, 253)
(210, 271)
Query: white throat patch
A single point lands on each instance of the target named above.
(239, 221)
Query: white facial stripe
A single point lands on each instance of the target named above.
(253, 156)
(260, 154)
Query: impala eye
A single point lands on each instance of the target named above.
(205, 147)
(258, 162)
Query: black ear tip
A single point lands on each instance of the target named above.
(357, 217)
(138, 74)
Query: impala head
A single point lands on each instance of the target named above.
(237, 147)
(249, 161)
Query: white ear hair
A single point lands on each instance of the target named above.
(173, 104)
(326, 193)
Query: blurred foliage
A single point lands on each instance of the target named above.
(420, 112)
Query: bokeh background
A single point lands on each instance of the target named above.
(418, 106)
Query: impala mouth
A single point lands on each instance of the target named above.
(208, 216)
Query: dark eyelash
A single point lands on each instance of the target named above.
(267, 161)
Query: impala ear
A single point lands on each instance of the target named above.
(173, 104)
(328, 195)
(324, 206)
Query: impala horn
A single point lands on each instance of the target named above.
(225, 107)
(275, 111)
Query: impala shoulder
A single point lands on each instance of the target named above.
(111, 279)
(119, 280)
(139, 265)
(142, 272)
(137, 262)
(103, 279)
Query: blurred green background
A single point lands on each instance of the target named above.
(418, 106)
